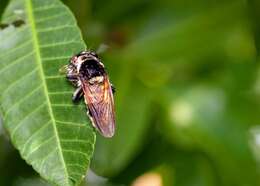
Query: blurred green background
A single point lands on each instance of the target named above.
(187, 80)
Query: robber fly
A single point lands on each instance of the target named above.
(86, 72)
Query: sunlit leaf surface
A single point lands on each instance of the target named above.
(50, 132)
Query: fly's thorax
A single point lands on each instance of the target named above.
(91, 69)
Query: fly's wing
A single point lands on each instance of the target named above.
(100, 102)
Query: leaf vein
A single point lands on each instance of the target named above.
(66, 105)
(55, 28)
(18, 80)
(61, 92)
(70, 123)
(46, 157)
(76, 165)
(75, 140)
(34, 134)
(17, 103)
(55, 77)
(25, 117)
(45, 8)
(15, 62)
(55, 58)
(10, 51)
(59, 44)
(49, 18)
(39, 146)
(75, 151)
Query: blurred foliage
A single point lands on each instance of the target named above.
(187, 80)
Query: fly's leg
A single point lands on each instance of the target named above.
(78, 93)
(72, 77)
(90, 117)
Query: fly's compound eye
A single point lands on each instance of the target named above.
(74, 59)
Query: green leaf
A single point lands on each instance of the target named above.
(50, 132)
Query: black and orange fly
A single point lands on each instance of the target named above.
(87, 73)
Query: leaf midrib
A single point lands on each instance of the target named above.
(41, 73)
